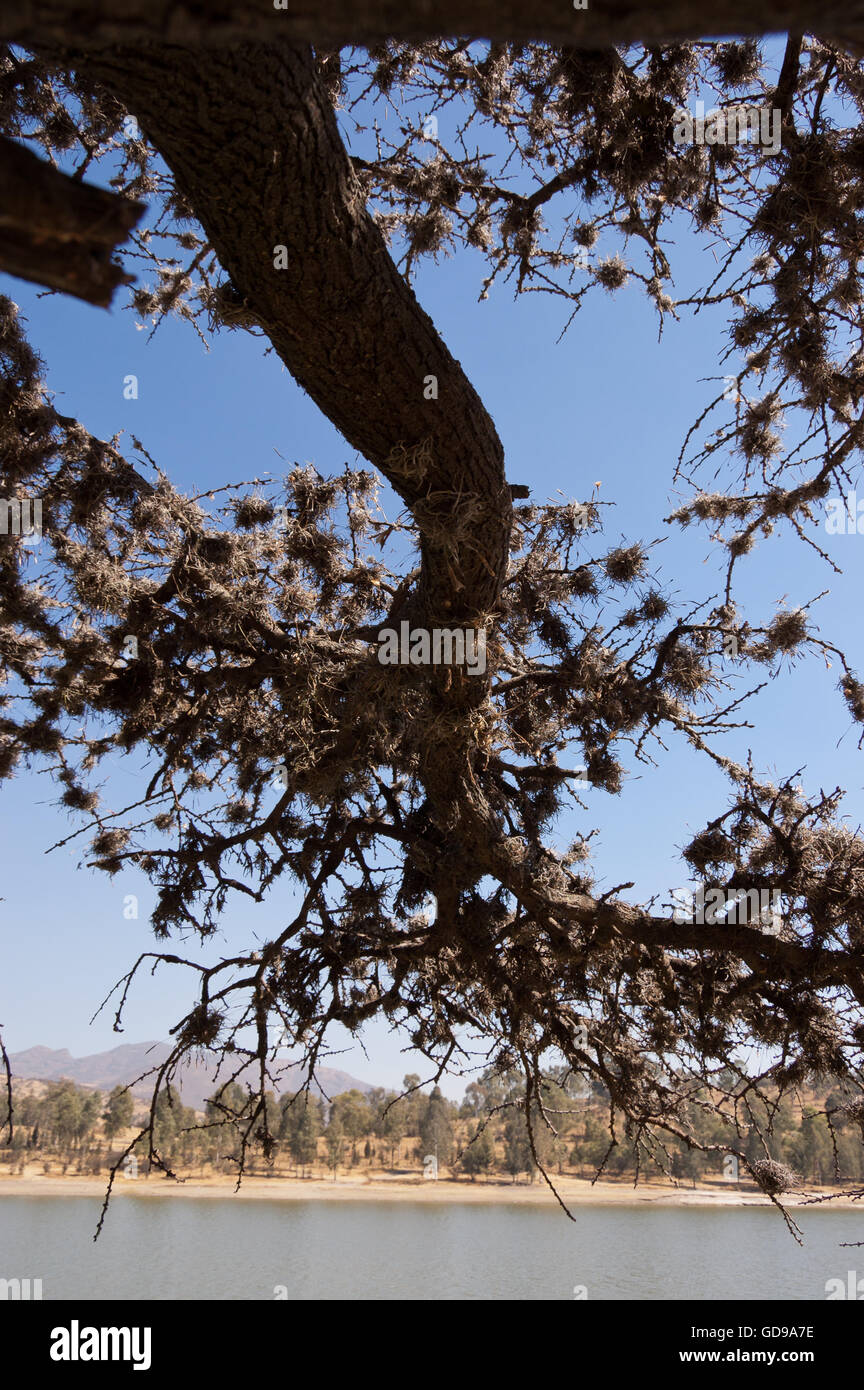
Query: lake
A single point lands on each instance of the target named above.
(189, 1248)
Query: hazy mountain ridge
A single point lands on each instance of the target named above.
(196, 1081)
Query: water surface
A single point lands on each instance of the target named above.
(236, 1248)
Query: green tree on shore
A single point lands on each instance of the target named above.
(117, 1114)
(436, 1128)
(479, 1155)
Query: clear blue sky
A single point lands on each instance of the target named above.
(607, 404)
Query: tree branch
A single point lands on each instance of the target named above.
(59, 232)
(227, 22)
(268, 175)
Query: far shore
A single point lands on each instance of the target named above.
(573, 1191)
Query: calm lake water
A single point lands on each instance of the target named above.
(242, 1249)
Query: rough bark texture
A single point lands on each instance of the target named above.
(59, 232)
(253, 142)
(96, 22)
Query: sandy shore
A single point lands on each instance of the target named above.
(575, 1193)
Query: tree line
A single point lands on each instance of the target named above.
(488, 1134)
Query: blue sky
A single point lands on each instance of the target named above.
(609, 404)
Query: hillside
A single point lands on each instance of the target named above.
(124, 1064)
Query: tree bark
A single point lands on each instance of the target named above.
(252, 139)
(59, 232)
(604, 22)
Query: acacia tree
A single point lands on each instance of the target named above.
(232, 643)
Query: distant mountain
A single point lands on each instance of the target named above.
(196, 1081)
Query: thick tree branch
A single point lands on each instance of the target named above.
(265, 175)
(556, 906)
(101, 22)
(59, 232)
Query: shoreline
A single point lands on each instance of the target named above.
(575, 1192)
